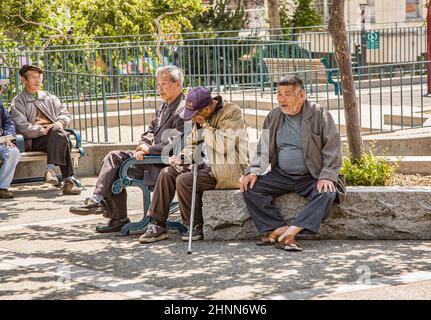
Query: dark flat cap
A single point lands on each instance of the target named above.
(29, 67)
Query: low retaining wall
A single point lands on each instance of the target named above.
(369, 213)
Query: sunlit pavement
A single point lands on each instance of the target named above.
(48, 253)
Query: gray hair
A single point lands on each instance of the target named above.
(177, 74)
(291, 80)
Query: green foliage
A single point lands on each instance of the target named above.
(90, 18)
(305, 14)
(370, 170)
(220, 17)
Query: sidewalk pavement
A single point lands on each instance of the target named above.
(48, 253)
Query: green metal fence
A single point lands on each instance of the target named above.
(378, 44)
(109, 87)
(390, 97)
(216, 62)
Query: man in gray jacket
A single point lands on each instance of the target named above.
(41, 118)
(301, 143)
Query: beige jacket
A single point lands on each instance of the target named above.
(226, 145)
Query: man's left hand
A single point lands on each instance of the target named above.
(199, 119)
(46, 129)
(10, 144)
(144, 148)
(325, 186)
(139, 155)
(58, 124)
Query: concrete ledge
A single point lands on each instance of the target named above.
(384, 213)
(414, 165)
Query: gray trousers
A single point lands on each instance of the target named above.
(116, 204)
(266, 216)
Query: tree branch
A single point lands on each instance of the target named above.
(159, 35)
(37, 23)
(59, 34)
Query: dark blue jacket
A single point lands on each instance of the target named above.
(6, 123)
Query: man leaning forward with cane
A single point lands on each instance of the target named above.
(220, 153)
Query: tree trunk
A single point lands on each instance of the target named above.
(274, 17)
(337, 29)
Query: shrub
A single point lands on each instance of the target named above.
(369, 170)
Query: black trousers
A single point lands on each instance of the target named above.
(266, 216)
(57, 147)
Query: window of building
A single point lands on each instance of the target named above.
(412, 9)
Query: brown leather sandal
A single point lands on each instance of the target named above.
(288, 243)
(269, 239)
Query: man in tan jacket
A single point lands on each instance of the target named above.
(301, 143)
(218, 144)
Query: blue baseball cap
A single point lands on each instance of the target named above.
(197, 98)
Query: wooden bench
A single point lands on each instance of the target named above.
(278, 67)
(31, 156)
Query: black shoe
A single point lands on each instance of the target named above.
(88, 207)
(112, 226)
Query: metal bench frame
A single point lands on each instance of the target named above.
(125, 181)
(77, 153)
(330, 74)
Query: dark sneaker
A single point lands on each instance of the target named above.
(50, 177)
(114, 225)
(88, 207)
(154, 233)
(5, 194)
(69, 188)
(197, 233)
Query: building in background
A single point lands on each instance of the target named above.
(379, 11)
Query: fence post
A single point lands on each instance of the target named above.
(105, 116)
(429, 48)
(262, 76)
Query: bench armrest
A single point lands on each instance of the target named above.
(77, 137)
(330, 72)
(124, 180)
(20, 144)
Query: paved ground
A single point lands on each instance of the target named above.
(47, 253)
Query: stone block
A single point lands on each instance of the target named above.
(368, 213)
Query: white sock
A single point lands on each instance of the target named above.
(96, 198)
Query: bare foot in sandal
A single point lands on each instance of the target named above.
(288, 243)
(270, 238)
(287, 240)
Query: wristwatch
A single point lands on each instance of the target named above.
(206, 124)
